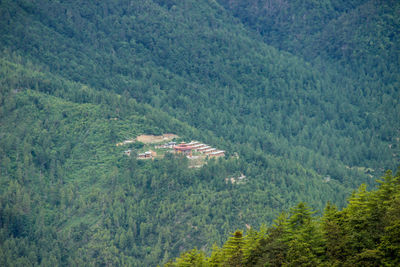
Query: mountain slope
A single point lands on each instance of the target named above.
(226, 77)
(65, 183)
(353, 33)
(79, 77)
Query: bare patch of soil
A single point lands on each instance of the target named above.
(150, 139)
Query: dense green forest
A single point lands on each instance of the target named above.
(365, 233)
(307, 109)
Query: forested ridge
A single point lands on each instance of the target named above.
(365, 233)
(304, 120)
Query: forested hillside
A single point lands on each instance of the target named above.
(365, 233)
(361, 35)
(70, 196)
(301, 120)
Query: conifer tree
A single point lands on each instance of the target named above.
(233, 250)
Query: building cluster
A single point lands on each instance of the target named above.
(183, 148)
(171, 145)
(146, 155)
(236, 180)
(194, 146)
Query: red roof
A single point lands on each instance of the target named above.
(182, 148)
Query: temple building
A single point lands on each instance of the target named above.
(184, 149)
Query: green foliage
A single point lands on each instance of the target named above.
(341, 238)
(301, 124)
(190, 258)
(232, 250)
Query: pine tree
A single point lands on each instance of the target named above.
(334, 235)
(304, 239)
(192, 258)
(233, 250)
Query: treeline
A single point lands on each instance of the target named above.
(365, 233)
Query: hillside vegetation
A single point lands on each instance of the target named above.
(365, 233)
(78, 77)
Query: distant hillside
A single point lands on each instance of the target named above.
(79, 77)
(199, 65)
(360, 34)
